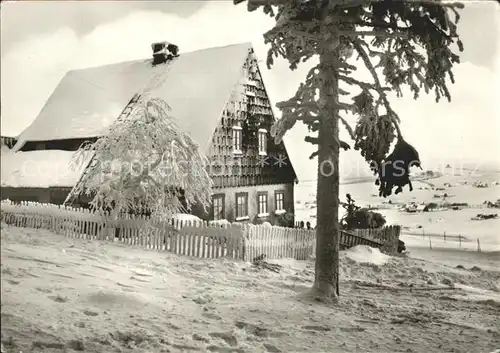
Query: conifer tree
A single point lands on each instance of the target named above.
(404, 44)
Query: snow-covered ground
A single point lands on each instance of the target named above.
(65, 295)
(436, 224)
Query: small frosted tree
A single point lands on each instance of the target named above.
(145, 163)
(410, 47)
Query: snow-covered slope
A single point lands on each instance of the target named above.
(62, 294)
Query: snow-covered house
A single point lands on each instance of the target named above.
(216, 94)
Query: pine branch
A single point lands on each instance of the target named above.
(363, 85)
(344, 145)
(293, 103)
(307, 118)
(310, 139)
(343, 92)
(314, 154)
(268, 5)
(315, 126)
(303, 34)
(345, 106)
(355, 3)
(377, 34)
(366, 59)
(347, 127)
(348, 34)
(380, 25)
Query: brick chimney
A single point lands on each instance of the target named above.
(164, 51)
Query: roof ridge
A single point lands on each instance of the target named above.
(196, 86)
(146, 59)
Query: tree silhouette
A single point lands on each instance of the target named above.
(411, 46)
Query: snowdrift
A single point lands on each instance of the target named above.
(366, 254)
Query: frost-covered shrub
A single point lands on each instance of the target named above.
(145, 162)
(286, 219)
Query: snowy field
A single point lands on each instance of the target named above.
(436, 223)
(68, 295)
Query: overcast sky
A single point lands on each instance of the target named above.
(42, 40)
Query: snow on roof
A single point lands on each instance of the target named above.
(42, 169)
(8, 135)
(196, 85)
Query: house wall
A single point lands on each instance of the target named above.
(53, 195)
(64, 145)
(26, 194)
(252, 192)
(58, 195)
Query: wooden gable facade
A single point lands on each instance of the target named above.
(253, 176)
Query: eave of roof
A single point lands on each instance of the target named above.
(196, 86)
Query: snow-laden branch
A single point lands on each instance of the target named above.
(146, 163)
(363, 85)
(379, 34)
(378, 86)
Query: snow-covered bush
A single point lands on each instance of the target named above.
(220, 223)
(286, 219)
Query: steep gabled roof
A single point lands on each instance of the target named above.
(196, 85)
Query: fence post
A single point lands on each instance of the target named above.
(245, 243)
(478, 246)
(430, 242)
(444, 235)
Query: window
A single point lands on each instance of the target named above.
(218, 207)
(262, 203)
(262, 141)
(280, 204)
(237, 134)
(241, 205)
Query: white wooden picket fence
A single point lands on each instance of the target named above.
(183, 237)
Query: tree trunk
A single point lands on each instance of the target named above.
(326, 284)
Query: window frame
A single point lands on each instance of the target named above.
(237, 135)
(266, 211)
(277, 200)
(223, 206)
(262, 142)
(239, 216)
